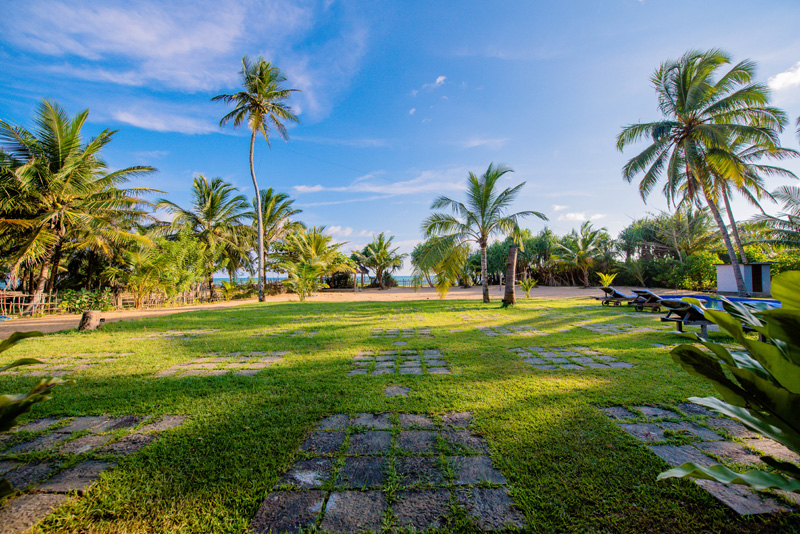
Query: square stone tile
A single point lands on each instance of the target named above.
(474, 470)
(439, 370)
(129, 444)
(42, 443)
(685, 427)
(410, 420)
(676, 456)
(334, 422)
(24, 475)
(323, 442)
(373, 421)
(77, 478)
(378, 372)
(559, 360)
(570, 366)
(774, 449)
(435, 363)
(734, 428)
(743, 500)
(492, 508)
(422, 509)
(411, 371)
(618, 412)
(545, 367)
(396, 391)
(288, 511)
(644, 432)
(372, 442)
(85, 443)
(384, 365)
(83, 423)
(620, 365)
(305, 474)
(463, 442)
(417, 441)
(167, 422)
(690, 408)
(20, 514)
(730, 451)
(362, 472)
(361, 372)
(651, 412)
(419, 471)
(119, 423)
(354, 511)
(534, 361)
(457, 419)
(595, 365)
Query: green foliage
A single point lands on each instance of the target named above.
(84, 299)
(303, 278)
(581, 250)
(381, 257)
(700, 271)
(12, 406)
(759, 386)
(527, 284)
(606, 279)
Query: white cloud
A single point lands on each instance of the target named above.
(430, 86)
(573, 216)
(425, 182)
(164, 122)
(151, 154)
(597, 216)
(786, 79)
(364, 142)
(489, 143)
(559, 207)
(412, 111)
(339, 231)
(308, 188)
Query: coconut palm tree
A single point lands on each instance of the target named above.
(783, 230)
(380, 257)
(262, 104)
(276, 213)
(581, 250)
(218, 218)
(57, 192)
(483, 216)
(691, 143)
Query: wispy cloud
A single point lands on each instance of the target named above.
(161, 120)
(412, 111)
(430, 86)
(580, 216)
(151, 154)
(559, 207)
(354, 143)
(786, 79)
(425, 182)
(494, 144)
(339, 231)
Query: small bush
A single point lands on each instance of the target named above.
(700, 271)
(83, 300)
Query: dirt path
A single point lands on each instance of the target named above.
(55, 323)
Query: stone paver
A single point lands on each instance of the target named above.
(522, 330)
(288, 511)
(492, 508)
(130, 444)
(685, 427)
(742, 500)
(644, 432)
(729, 451)
(42, 443)
(422, 509)
(690, 408)
(362, 472)
(772, 448)
(167, 422)
(462, 441)
(77, 478)
(651, 412)
(734, 428)
(396, 391)
(354, 511)
(474, 470)
(406, 332)
(404, 362)
(312, 473)
(244, 364)
(86, 443)
(411, 420)
(376, 422)
(22, 513)
(370, 442)
(677, 455)
(25, 475)
(574, 358)
(119, 423)
(323, 442)
(419, 471)
(38, 425)
(457, 419)
(335, 422)
(417, 441)
(83, 423)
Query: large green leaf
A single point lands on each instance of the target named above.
(760, 480)
(783, 329)
(17, 363)
(15, 338)
(700, 364)
(786, 288)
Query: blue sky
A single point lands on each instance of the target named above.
(399, 101)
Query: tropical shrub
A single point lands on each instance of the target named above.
(759, 386)
(700, 271)
(84, 299)
(606, 279)
(526, 285)
(303, 278)
(12, 406)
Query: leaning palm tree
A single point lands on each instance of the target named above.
(783, 230)
(381, 257)
(218, 218)
(276, 213)
(691, 144)
(56, 190)
(262, 104)
(483, 216)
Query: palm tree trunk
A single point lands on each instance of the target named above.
(211, 285)
(260, 216)
(734, 228)
(726, 238)
(586, 276)
(484, 273)
(510, 297)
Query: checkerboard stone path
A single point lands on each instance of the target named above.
(177, 334)
(523, 330)
(475, 316)
(214, 364)
(424, 331)
(288, 333)
(403, 362)
(375, 471)
(617, 328)
(712, 439)
(65, 365)
(577, 358)
(32, 456)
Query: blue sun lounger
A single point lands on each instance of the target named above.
(612, 296)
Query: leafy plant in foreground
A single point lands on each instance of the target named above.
(527, 285)
(12, 406)
(765, 392)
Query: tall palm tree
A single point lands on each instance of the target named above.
(218, 217)
(276, 213)
(783, 230)
(381, 257)
(57, 190)
(691, 143)
(262, 104)
(582, 249)
(483, 216)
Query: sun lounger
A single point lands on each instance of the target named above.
(646, 299)
(612, 296)
(685, 314)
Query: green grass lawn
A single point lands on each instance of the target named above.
(570, 468)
